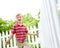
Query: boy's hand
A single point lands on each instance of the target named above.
(34, 34)
(37, 34)
(6, 43)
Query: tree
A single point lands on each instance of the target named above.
(28, 20)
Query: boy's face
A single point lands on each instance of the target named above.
(19, 18)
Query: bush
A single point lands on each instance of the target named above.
(28, 20)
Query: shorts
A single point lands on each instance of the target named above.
(24, 44)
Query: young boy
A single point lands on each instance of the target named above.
(21, 32)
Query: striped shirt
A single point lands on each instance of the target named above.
(21, 31)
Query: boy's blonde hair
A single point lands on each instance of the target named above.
(19, 15)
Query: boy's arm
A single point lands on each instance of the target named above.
(29, 33)
(9, 39)
(33, 34)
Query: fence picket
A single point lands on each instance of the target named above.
(7, 38)
(11, 45)
(32, 35)
(3, 40)
(13, 40)
(28, 37)
(35, 30)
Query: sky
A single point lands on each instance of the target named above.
(9, 8)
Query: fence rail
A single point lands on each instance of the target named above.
(12, 43)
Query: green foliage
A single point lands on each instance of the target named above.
(28, 20)
(5, 25)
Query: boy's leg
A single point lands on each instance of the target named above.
(26, 44)
(20, 45)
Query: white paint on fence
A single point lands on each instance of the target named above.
(12, 43)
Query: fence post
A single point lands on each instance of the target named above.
(31, 30)
(14, 40)
(35, 31)
(3, 39)
(7, 38)
(10, 40)
(28, 37)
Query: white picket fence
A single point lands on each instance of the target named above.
(12, 44)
